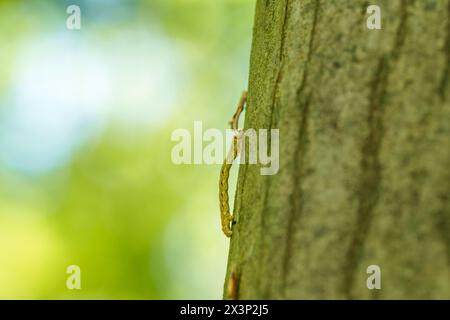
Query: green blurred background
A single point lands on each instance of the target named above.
(86, 116)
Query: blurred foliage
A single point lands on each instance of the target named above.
(137, 225)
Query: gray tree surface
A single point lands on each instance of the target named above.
(364, 119)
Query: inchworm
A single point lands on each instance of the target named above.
(225, 215)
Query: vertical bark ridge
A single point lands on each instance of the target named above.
(446, 72)
(304, 105)
(371, 174)
(274, 109)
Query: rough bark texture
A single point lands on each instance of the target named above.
(364, 119)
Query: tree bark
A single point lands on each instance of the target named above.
(364, 119)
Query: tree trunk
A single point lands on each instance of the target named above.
(364, 119)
